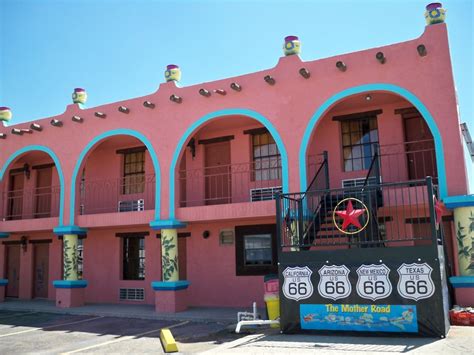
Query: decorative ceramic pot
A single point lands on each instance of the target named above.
(5, 115)
(435, 13)
(79, 96)
(172, 73)
(292, 45)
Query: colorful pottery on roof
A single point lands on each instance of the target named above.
(435, 13)
(172, 73)
(292, 45)
(79, 96)
(5, 115)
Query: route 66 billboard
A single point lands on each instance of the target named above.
(415, 281)
(373, 282)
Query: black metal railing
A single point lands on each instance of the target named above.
(394, 214)
(320, 178)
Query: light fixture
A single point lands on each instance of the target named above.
(269, 80)
(17, 131)
(235, 86)
(380, 57)
(77, 119)
(368, 97)
(422, 50)
(206, 234)
(148, 104)
(341, 66)
(175, 98)
(220, 92)
(124, 109)
(26, 170)
(26, 130)
(3, 136)
(24, 243)
(36, 127)
(192, 147)
(305, 73)
(56, 123)
(204, 92)
(100, 114)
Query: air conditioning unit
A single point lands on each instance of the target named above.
(131, 205)
(264, 194)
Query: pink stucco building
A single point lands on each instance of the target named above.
(199, 167)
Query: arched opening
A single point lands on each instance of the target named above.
(358, 127)
(31, 186)
(115, 174)
(229, 159)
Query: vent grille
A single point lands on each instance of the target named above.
(132, 205)
(132, 294)
(264, 194)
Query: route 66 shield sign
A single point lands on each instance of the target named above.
(373, 282)
(297, 283)
(415, 281)
(334, 282)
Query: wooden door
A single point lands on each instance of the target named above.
(43, 192)
(419, 147)
(218, 183)
(15, 196)
(13, 270)
(40, 270)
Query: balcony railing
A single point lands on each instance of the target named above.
(41, 202)
(117, 195)
(234, 183)
(397, 214)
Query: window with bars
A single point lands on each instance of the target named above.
(133, 257)
(266, 157)
(133, 172)
(359, 139)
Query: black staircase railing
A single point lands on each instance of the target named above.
(321, 178)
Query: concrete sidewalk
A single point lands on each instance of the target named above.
(198, 314)
(460, 340)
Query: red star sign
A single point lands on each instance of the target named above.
(350, 216)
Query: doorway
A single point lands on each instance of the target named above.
(43, 192)
(13, 270)
(217, 171)
(40, 269)
(15, 196)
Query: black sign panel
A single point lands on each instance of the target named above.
(373, 291)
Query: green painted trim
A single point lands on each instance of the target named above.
(371, 88)
(219, 114)
(452, 202)
(167, 224)
(97, 139)
(4, 235)
(170, 285)
(61, 230)
(462, 281)
(3, 282)
(70, 284)
(55, 158)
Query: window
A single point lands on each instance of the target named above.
(255, 249)
(133, 172)
(358, 142)
(133, 257)
(266, 157)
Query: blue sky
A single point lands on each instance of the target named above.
(118, 49)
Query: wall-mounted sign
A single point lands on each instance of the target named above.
(373, 282)
(334, 282)
(415, 281)
(297, 283)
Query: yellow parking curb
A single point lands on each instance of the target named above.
(168, 342)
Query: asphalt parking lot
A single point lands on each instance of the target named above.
(49, 333)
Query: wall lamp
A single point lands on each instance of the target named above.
(236, 87)
(100, 114)
(175, 98)
(204, 92)
(148, 104)
(36, 127)
(77, 119)
(192, 147)
(24, 243)
(341, 66)
(422, 50)
(368, 97)
(269, 80)
(17, 131)
(305, 73)
(3, 136)
(26, 170)
(124, 109)
(380, 57)
(220, 92)
(56, 123)
(206, 234)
